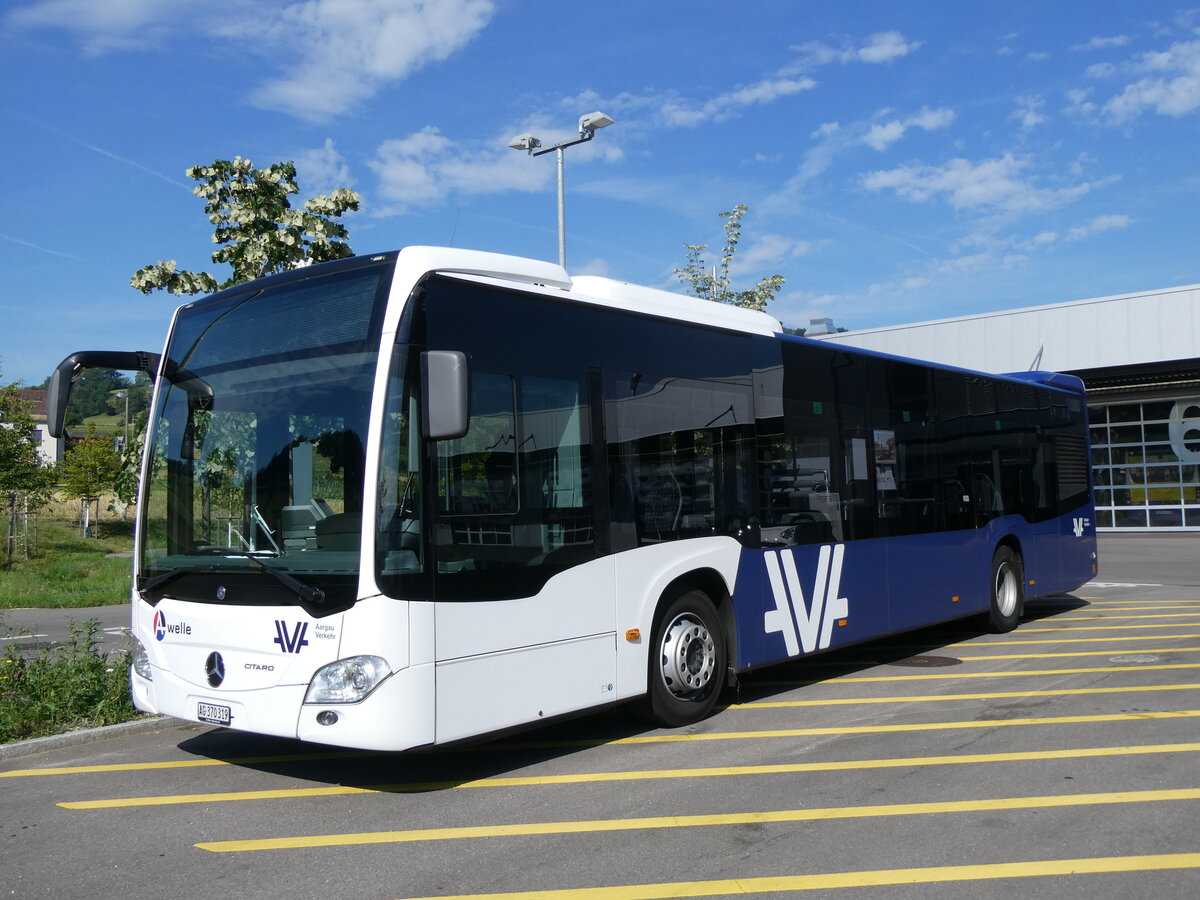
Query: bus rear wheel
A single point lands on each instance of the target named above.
(1007, 590)
(687, 661)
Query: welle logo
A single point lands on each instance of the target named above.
(803, 624)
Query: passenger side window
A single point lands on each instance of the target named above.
(514, 491)
(682, 457)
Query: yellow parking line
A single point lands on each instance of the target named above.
(932, 698)
(1139, 609)
(956, 675)
(874, 878)
(1124, 652)
(1026, 629)
(1123, 618)
(660, 822)
(852, 765)
(188, 763)
(491, 748)
(1091, 640)
(676, 737)
(819, 662)
(1099, 601)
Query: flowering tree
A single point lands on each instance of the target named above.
(714, 284)
(257, 231)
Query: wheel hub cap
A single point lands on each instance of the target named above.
(689, 656)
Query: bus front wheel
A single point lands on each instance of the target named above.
(687, 661)
(1007, 591)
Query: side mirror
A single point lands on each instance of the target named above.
(445, 395)
(69, 369)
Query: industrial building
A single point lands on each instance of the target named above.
(1138, 354)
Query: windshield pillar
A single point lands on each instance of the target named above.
(180, 497)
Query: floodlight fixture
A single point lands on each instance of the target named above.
(592, 121)
(531, 145)
(525, 141)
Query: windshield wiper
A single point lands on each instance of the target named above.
(149, 584)
(307, 592)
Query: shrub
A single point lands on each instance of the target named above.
(57, 689)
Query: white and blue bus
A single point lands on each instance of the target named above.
(406, 499)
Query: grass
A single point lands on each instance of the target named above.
(58, 689)
(105, 424)
(67, 569)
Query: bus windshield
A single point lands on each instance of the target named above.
(254, 488)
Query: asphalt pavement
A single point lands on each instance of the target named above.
(1058, 760)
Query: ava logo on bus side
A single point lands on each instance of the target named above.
(290, 641)
(803, 625)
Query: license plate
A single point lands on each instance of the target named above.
(210, 712)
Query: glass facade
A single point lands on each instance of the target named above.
(1146, 463)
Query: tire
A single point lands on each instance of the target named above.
(1007, 590)
(686, 661)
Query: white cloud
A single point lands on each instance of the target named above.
(1172, 90)
(322, 169)
(1166, 82)
(1080, 103)
(426, 167)
(1027, 112)
(768, 251)
(349, 49)
(594, 267)
(724, 106)
(882, 47)
(113, 25)
(671, 110)
(880, 137)
(992, 184)
(1097, 225)
(1103, 43)
(885, 46)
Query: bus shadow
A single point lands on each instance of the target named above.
(926, 648)
(456, 765)
(421, 770)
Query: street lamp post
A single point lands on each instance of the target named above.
(533, 146)
(125, 394)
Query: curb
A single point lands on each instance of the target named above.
(83, 736)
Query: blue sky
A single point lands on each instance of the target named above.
(901, 161)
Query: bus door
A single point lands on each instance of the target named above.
(525, 623)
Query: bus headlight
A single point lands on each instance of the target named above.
(141, 660)
(347, 680)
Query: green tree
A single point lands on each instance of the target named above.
(24, 478)
(714, 284)
(91, 394)
(88, 469)
(21, 468)
(257, 231)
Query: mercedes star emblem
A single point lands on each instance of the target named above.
(214, 667)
